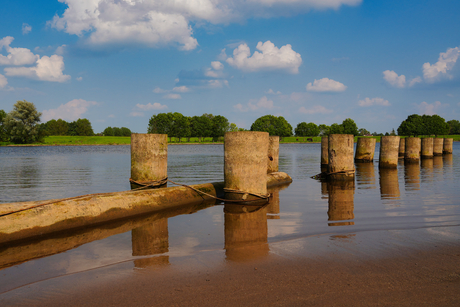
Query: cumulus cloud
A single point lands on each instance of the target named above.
(79, 78)
(415, 81)
(172, 96)
(440, 69)
(326, 85)
(216, 65)
(181, 89)
(377, 101)
(393, 79)
(16, 56)
(159, 90)
(429, 109)
(315, 110)
(270, 57)
(26, 28)
(47, 69)
(254, 105)
(70, 111)
(272, 92)
(159, 22)
(3, 81)
(150, 106)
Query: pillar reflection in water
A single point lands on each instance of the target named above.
(448, 162)
(246, 232)
(427, 169)
(412, 176)
(389, 184)
(365, 175)
(341, 202)
(438, 167)
(150, 240)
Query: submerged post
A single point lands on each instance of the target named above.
(245, 164)
(413, 148)
(324, 151)
(427, 148)
(448, 146)
(389, 150)
(273, 154)
(402, 147)
(438, 145)
(149, 158)
(365, 149)
(340, 150)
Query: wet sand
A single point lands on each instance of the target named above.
(338, 270)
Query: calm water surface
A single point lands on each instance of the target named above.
(424, 198)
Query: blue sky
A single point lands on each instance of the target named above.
(118, 62)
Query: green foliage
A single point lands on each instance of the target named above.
(233, 127)
(416, 125)
(173, 124)
(220, 125)
(273, 125)
(125, 131)
(3, 133)
(304, 129)
(363, 132)
(349, 127)
(336, 129)
(22, 123)
(83, 127)
(454, 126)
(324, 130)
(108, 131)
(56, 127)
(200, 126)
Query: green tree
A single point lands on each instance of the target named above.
(454, 126)
(72, 129)
(304, 129)
(3, 133)
(336, 129)
(161, 123)
(412, 126)
(57, 127)
(108, 131)
(363, 132)
(273, 125)
(116, 131)
(22, 123)
(324, 130)
(200, 126)
(350, 127)
(180, 126)
(83, 127)
(233, 127)
(220, 125)
(436, 125)
(125, 131)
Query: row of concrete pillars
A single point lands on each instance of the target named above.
(337, 152)
(248, 157)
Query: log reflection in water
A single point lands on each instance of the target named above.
(341, 202)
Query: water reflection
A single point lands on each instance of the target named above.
(273, 207)
(389, 184)
(412, 176)
(341, 202)
(150, 240)
(365, 175)
(246, 232)
(427, 170)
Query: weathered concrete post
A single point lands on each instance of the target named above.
(438, 145)
(245, 164)
(402, 147)
(427, 148)
(365, 149)
(273, 154)
(448, 146)
(324, 151)
(341, 202)
(413, 148)
(389, 149)
(149, 158)
(340, 151)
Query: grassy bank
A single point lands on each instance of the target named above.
(126, 140)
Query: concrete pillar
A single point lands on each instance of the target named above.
(365, 149)
(340, 152)
(341, 202)
(149, 157)
(246, 232)
(273, 153)
(402, 147)
(413, 148)
(427, 148)
(389, 184)
(245, 164)
(324, 151)
(438, 145)
(448, 146)
(149, 240)
(389, 149)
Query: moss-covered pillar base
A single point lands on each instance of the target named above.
(413, 148)
(365, 149)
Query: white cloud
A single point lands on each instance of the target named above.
(429, 109)
(270, 57)
(158, 90)
(415, 81)
(136, 114)
(367, 102)
(393, 79)
(159, 22)
(3, 81)
(272, 92)
(440, 69)
(172, 96)
(61, 49)
(326, 85)
(254, 105)
(315, 110)
(47, 69)
(149, 106)
(26, 28)
(79, 78)
(71, 111)
(181, 89)
(16, 56)
(216, 65)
